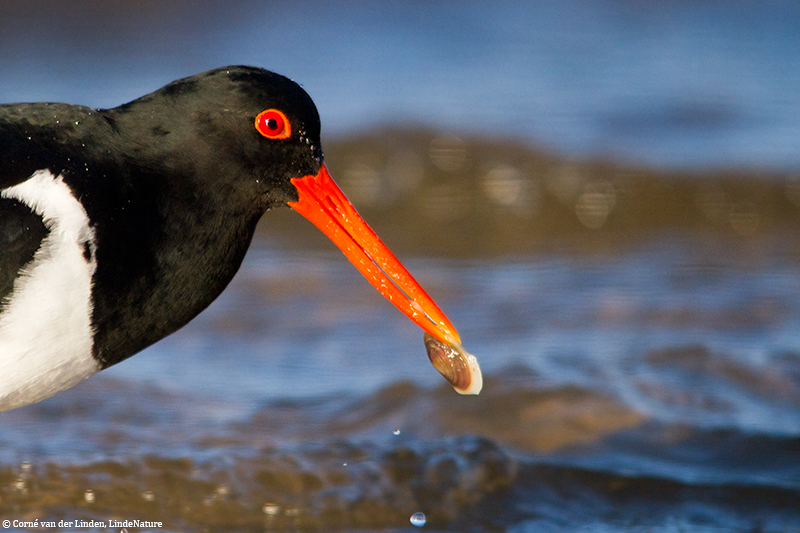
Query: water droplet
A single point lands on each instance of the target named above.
(344, 464)
(148, 495)
(89, 496)
(271, 509)
(418, 519)
(25, 466)
(396, 431)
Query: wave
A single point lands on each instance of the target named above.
(525, 456)
(463, 484)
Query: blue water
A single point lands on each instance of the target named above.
(680, 84)
(655, 388)
(595, 322)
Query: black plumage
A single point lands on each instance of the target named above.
(173, 184)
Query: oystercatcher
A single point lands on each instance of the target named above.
(118, 226)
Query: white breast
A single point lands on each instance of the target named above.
(45, 329)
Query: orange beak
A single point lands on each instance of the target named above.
(325, 205)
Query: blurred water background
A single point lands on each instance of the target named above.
(603, 196)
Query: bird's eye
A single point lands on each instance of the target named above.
(273, 124)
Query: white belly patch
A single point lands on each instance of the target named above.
(45, 330)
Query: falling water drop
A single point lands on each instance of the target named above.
(418, 519)
(396, 431)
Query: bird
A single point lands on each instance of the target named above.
(118, 226)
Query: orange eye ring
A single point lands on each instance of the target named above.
(273, 124)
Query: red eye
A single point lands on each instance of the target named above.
(273, 124)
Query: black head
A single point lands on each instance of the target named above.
(175, 184)
(205, 126)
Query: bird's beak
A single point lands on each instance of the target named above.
(325, 205)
